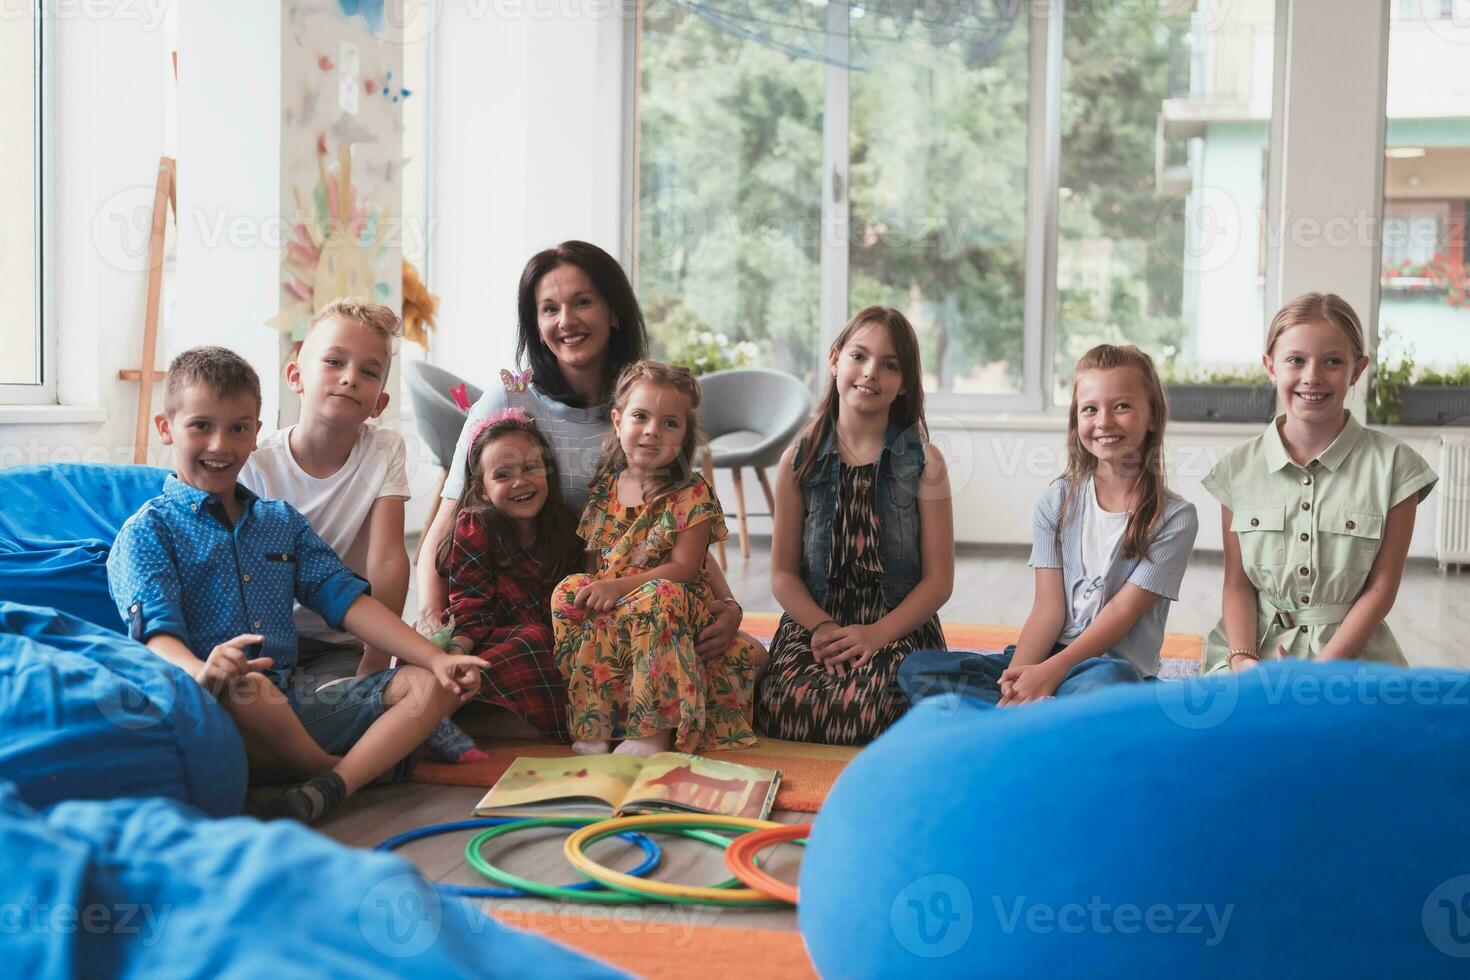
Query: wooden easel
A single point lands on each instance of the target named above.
(165, 196)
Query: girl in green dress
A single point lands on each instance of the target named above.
(1317, 511)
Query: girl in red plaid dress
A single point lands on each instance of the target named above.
(513, 540)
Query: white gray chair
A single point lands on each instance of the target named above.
(750, 416)
(438, 418)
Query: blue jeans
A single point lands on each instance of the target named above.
(925, 673)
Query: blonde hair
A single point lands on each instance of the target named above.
(1318, 308)
(612, 459)
(378, 318)
(907, 410)
(1081, 464)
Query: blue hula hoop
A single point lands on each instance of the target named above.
(653, 855)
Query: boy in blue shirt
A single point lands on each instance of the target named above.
(205, 575)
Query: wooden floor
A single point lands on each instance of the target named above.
(992, 585)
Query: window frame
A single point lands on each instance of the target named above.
(43, 392)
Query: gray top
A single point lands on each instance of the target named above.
(1161, 572)
(575, 434)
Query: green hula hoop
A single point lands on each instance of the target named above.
(476, 860)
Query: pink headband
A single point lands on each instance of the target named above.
(499, 415)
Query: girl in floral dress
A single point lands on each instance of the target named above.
(625, 633)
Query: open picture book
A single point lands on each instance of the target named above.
(601, 785)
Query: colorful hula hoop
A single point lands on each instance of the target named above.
(740, 859)
(650, 862)
(588, 891)
(662, 890)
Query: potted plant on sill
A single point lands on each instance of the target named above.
(1398, 395)
(683, 339)
(1218, 396)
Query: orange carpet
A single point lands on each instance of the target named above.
(978, 636)
(676, 952)
(807, 771)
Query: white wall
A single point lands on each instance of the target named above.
(229, 265)
(528, 152)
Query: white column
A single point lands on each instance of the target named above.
(1324, 235)
(532, 120)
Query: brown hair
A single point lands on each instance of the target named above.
(218, 369)
(556, 545)
(907, 410)
(612, 459)
(1318, 308)
(1081, 464)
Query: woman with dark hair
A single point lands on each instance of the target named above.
(579, 326)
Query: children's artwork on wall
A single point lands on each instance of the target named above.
(336, 248)
(341, 156)
(370, 11)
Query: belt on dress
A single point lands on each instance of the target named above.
(1325, 615)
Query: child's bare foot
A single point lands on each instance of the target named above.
(591, 746)
(647, 745)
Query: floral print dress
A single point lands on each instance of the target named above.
(632, 671)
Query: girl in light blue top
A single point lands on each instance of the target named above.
(1110, 545)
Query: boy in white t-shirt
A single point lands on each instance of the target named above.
(346, 477)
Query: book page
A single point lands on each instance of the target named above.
(675, 781)
(528, 780)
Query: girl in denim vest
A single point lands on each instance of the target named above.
(1109, 545)
(863, 551)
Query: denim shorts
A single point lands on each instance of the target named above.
(336, 711)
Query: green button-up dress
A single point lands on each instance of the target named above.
(1309, 534)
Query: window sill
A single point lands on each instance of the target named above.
(52, 414)
(971, 422)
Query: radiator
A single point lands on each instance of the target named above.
(1452, 541)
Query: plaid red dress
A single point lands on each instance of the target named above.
(507, 616)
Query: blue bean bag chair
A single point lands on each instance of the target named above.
(57, 524)
(1302, 819)
(148, 888)
(88, 714)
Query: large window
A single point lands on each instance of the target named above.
(871, 153)
(938, 184)
(1424, 309)
(730, 182)
(1165, 122)
(799, 160)
(26, 371)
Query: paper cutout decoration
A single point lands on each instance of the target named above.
(336, 248)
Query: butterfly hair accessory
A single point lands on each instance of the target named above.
(515, 381)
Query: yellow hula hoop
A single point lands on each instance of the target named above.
(645, 887)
